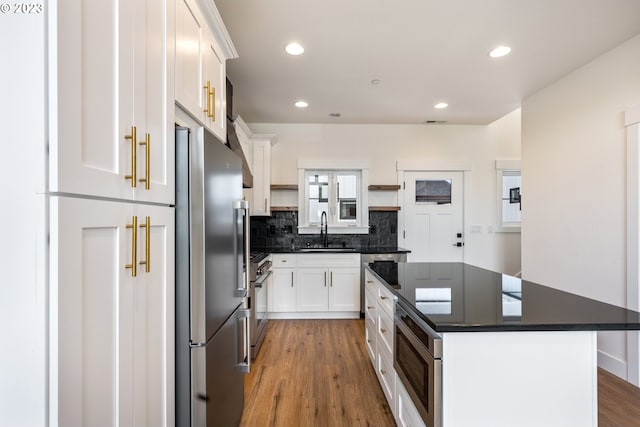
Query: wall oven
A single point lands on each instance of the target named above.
(259, 271)
(418, 363)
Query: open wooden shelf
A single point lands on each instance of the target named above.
(284, 186)
(384, 208)
(283, 208)
(384, 187)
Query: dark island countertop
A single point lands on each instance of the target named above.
(331, 249)
(458, 297)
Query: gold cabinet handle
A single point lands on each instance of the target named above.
(212, 104)
(383, 330)
(133, 139)
(207, 93)
(383, 372)
(383, 297)
(147, 161)
(147, 244)
(325, 279)
(369, 281)
(134, 246)
(292, 279)
(331, 279)
(369, 307)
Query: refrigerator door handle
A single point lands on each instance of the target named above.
(243, 279)
(244, 364)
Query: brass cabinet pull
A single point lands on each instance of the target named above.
(331, 279)
(208, 95)
(212, 103)
(292, 279)
(383, 297)
(325, 279)
(147, 161)
(147, 244)
(369, 281)
(383, 372)
(133, 139)
(383, 330)
(369, 307)
(134, 246)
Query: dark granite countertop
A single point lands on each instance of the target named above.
(457, 297)
(332, 249)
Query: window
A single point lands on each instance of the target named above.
(341, 194)
(509, 183)
(433, 191)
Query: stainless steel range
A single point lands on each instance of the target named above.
(259, 271)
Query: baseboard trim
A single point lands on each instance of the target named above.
(318, 315)
(612, 364)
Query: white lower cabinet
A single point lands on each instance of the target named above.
(406, 413)
(282, 294)
(111, 329)
(315, 286)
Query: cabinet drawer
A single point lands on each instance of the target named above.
(370, 283)
(329, 260)
(385, 300)
(284, 260)
(370, 341)
(406, 413)
(370, 309)
(386, 376)
(385, 331)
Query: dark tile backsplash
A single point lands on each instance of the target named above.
(281, 230)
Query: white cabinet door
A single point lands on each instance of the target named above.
(110, 76)
(191, 30)
(200, 69)
(261, 191)
(313, 289)
(283, 290)
(111, 334)
(216, 82)
(344, 289)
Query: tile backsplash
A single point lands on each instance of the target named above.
(281, 230)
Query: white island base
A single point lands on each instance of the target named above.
(521, 379)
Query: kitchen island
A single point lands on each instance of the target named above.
(514, 353)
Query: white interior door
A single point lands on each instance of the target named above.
(433, 212)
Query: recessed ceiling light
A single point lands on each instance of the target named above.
(500, 51)
(441, 105)
(294, 49)
(334, 114)
(301, 104)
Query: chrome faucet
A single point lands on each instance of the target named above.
(324, 229)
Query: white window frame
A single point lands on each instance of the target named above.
(503, 166)
(334, 168)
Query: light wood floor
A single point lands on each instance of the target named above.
(318, 373)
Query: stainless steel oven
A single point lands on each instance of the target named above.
(259, 272)
(418, 363)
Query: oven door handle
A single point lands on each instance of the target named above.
(258, 283)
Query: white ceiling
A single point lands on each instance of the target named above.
(422, 51)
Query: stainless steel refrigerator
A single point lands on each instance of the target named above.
(212, 325)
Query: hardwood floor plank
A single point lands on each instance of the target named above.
(314, 373)
(618, 402)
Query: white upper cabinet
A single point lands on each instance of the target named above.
(202, 49)
(111, 95)
(257, 149)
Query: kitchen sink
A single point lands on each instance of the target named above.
(327, 249)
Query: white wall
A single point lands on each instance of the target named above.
(574, 175)
(384, 145)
